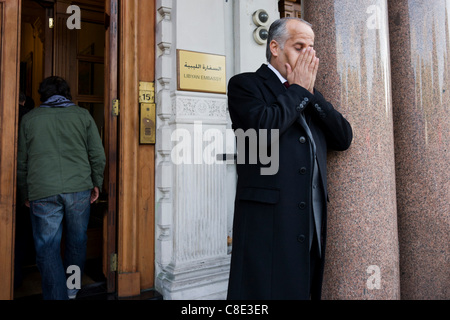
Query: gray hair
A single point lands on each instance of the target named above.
(280, 34)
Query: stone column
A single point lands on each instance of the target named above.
(352, 41)
(420, 49)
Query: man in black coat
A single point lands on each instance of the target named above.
(279, 227)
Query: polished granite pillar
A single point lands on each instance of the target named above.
(420, 49)
(352, 41)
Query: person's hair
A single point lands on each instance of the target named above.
(280, 34)
(52, 86)
(22, 97)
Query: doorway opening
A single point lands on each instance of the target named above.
(49, 47)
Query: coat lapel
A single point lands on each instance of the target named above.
(271, 80)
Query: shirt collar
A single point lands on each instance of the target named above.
(282, 79)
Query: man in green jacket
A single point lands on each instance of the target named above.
(60, 169)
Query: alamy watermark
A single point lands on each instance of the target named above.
(74, 280)
(207, 147)
(376, 17)
(374, 20)
(374, 280)
(74, 21)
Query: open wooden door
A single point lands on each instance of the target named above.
(9, 84)
(88, 59)
(111, 118)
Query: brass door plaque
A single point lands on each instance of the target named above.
(146, 92)
(148, 123)
(147, 112)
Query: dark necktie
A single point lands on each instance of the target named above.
(286, 84)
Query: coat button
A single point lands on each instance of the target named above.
(303, 171)
(301, 238)
(302, 140)
(302, 205)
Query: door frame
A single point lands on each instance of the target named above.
(10, 12)
(130, 221)
(136, 163)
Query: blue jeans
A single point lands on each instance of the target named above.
(47, 221)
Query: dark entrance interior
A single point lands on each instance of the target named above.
(49, 47)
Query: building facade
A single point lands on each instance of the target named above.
(167, 206)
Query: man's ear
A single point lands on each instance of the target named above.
(274, 48)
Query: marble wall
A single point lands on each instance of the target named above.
(385, 66)
(352, 41)
(420, 48)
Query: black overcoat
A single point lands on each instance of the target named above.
(270, 255)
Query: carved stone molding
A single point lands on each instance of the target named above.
(200, 106)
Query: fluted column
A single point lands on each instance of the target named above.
(352, 41)
(420, 49)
